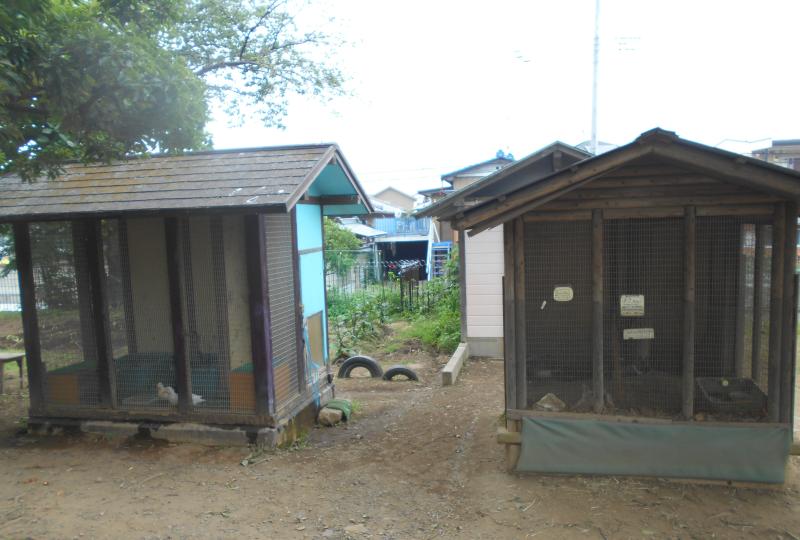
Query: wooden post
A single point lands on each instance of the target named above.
(462, 281)
(741, 298)
(758, 302)
(183, 373)
(520, 315)
(789, 310)
(776, 313)
(298, 304)
(127, 290)
(30, 322)
(793, 355)
(260, 325)
(509, 318)
(99, 304)
(597, 311)
(690, 242)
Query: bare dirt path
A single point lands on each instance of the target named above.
(418, 461)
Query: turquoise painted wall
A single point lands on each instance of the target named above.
(309, 226)
(312, 265)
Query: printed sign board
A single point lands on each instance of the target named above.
(638, 333)
(631, 305)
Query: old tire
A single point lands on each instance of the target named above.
(366, 362)
(394, 371)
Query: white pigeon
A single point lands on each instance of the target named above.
(169, 393)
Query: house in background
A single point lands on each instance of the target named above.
(785, 153)
(180, 288)
(397, 199)
(482, 255)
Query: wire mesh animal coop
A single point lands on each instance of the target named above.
(179, 288)
(652, 287)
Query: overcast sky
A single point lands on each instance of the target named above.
(438, 85)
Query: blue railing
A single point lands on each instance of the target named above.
(402, 225)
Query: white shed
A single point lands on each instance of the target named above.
(482, 254)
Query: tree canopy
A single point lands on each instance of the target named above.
(95, 80)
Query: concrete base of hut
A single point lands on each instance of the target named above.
(289, 430)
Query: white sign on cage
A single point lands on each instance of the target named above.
(563, 293)
(638, 333)
(631, 305)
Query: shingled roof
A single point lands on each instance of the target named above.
(259, 177)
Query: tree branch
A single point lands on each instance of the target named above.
(222, 65)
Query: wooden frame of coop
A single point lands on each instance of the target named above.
(180, 288)
(650, 303)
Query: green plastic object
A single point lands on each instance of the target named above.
(343, 405)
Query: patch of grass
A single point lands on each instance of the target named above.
(356, 406)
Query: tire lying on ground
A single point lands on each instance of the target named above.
(394, 371)
(366, 362)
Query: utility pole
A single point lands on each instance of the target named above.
(594, 74)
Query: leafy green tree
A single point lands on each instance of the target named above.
(95, 80)
(340, 247)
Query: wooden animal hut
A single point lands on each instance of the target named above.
(649, 312)
(179, 288)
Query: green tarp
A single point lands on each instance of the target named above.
(745, 453)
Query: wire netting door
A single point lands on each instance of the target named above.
(64, 312)
(643, 315)
(558, 288)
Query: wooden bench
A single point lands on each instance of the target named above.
(6, 358)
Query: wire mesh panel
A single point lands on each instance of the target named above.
(67, 340)
(139, 313)
(558, 289)
(643, 315)
(280, 272)
(723, 308)
(241, 385)
(205, 310)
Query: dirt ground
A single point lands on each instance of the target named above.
(417, 461)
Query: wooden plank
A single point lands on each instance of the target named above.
(298, 306)
(776, 314)
(793, 352)
(752, 210)
(789, 329)
(674, 192)
(741, 298)
(731, 170)
(326, 344)
(520, 315)
(676, 179)
(758, 303)
(598, 372)
(647, 202)
(519, 414)
(537, 217)
(260, 326)
(462, 282)
(509, 319)
(30, 322)
(183, 373)
(453, 367)
(100, 320)
(508, 437)
(690, 242)
(156, 415)
(127, 288)
(575, 175)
